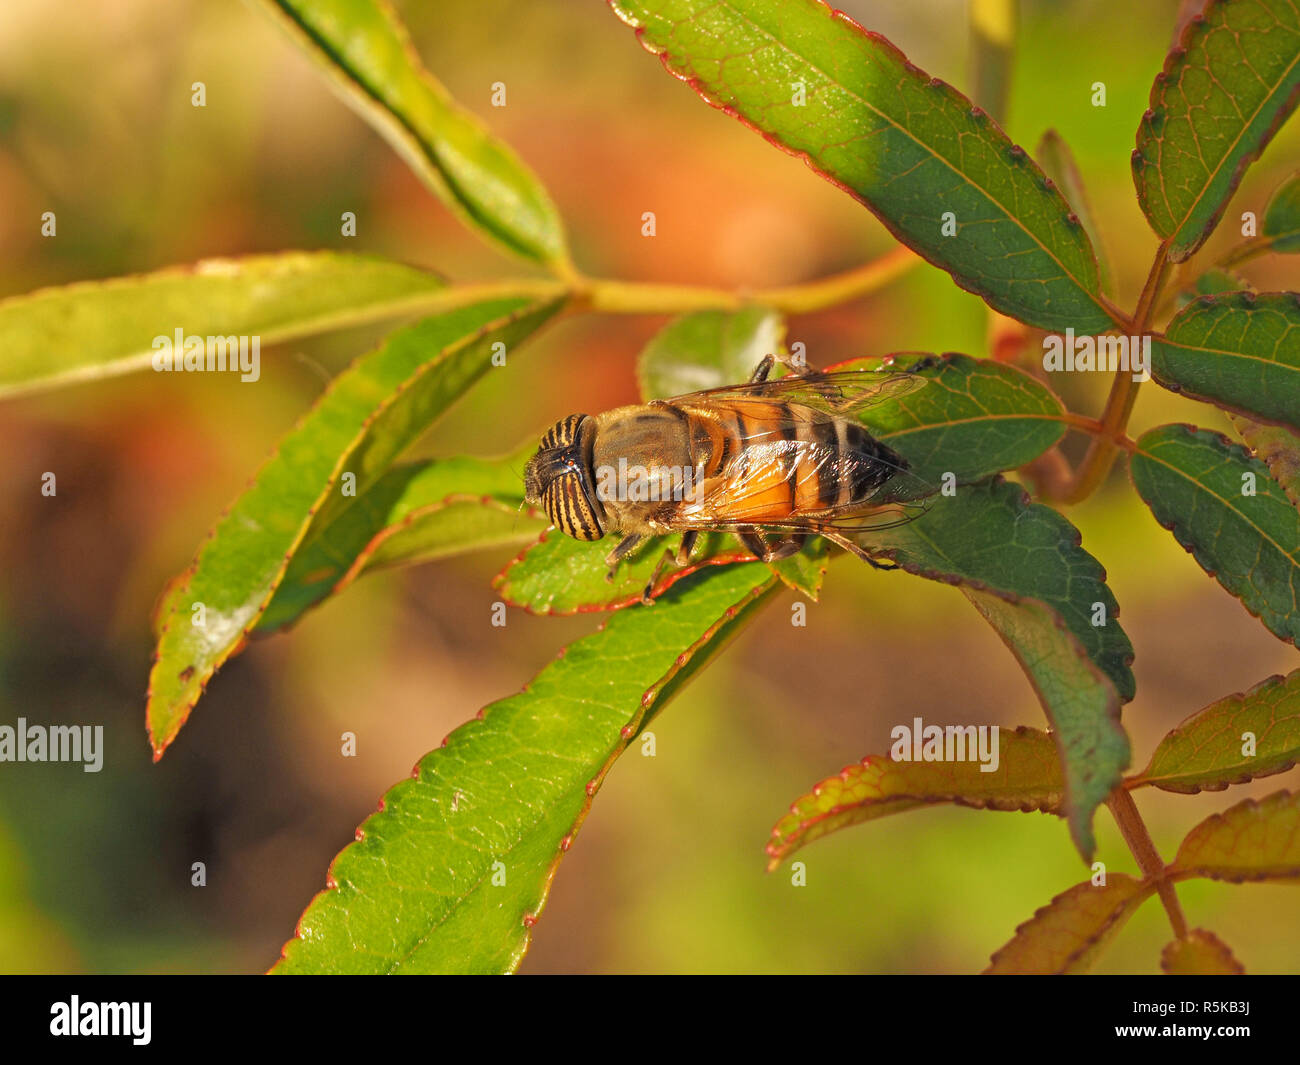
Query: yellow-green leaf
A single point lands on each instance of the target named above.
(1202, 953)
(94, 329)
(1231, 741)
(1254, 840)
(1067, 934)
(370, 62)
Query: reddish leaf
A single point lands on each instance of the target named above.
(1066, 935)
(1028, 778)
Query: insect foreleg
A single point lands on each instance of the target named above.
(624, 548)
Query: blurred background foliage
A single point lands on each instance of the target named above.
(96, 125)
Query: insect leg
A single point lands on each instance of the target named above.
(926, 362)
(654, 578)
(752, 541)
(762, 370)
(786, 547)
(687, 546)
(625, 547)
(756, 545)
(843, 541)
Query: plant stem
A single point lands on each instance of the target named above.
(1134, 831)
(1123, 393)
(633, 297)
(993, 47)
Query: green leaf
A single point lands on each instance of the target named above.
(974, 417)
(561, 575)
(1067, 934)
(707, 349)
(1282, 216)
(1222, 95)
(1021, 565)
(1216, 281)
(1057, 161)
(369, 61)
(416, 512)
(370, 413)
(1239, 351)
(1210, 750)
(1279, 448)
(1027, 777)
(94, 329)
(1254, 840)
(908, 146)
(990, 537)
(1195, 482)
(1202, 953)
(421, 891)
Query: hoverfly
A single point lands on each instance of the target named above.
(780, 457)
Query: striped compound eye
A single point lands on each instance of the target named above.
(566, 504)
(557, 479)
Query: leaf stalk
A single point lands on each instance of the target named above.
(1134, 831)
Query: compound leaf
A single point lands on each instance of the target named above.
(454, 869)
(95, 329)
(370, 412)
(1027, 777)
(1220, 98)
(1231, 741)
(1067, 934)
(1240, 351)
(939, 173)
(369, 61)
(1235, 520)
(1254, 840)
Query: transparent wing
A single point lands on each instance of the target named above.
(756, 487)
(842, 393)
